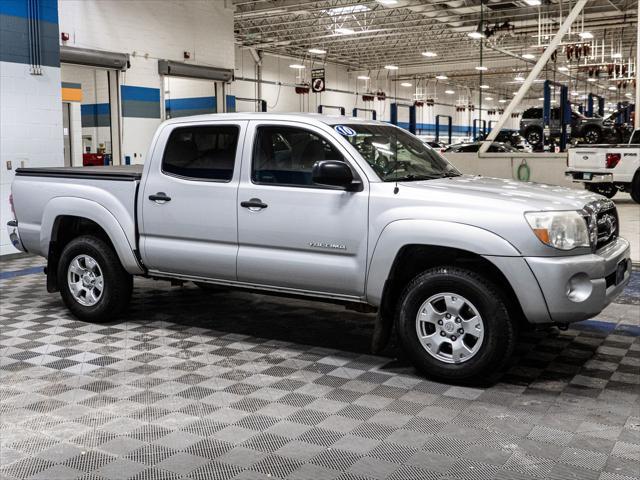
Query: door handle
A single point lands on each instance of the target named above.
(160, 197)
(254, 204)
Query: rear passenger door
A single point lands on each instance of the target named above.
(189, 215)
(293, 234)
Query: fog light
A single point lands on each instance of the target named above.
(579, 287)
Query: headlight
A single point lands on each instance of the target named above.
(562, 230)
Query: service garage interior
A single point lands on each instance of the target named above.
(202, 378)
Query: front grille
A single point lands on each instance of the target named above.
(603, 218)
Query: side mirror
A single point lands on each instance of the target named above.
(334, 173)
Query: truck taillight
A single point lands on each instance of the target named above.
(613, 159)
(13, 210)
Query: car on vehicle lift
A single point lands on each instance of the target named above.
(511, 138)
(354, 212)
(589, 129)
(495, 147)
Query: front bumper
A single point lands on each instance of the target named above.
(579, 287)
(14, 235)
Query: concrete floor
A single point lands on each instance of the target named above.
(629, 215)
(193, 386)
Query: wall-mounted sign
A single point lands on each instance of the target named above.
(317, 80)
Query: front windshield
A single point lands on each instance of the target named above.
(394, 154)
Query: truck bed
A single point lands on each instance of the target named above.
(117, 172)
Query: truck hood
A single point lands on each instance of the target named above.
(505, 193)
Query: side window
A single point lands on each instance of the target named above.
(533, 113)
(201, 152)
(286, 155)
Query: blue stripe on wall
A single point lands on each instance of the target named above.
(95, 115)
(48, 9)
(195, 103)
(94, 109)
(71, 85)
(144, 94)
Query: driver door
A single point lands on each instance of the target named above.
(305, 236)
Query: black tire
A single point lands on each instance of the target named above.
(211, 287)
(534, 136)
(499, 329)
(635, 187)
(592, 135)
(117, 283)
(609, 190)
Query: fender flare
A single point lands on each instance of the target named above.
(401, 233)
(83, 208)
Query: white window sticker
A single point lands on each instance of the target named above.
(345, 131)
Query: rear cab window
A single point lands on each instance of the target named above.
(206, 152)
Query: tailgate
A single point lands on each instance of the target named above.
(587, 158)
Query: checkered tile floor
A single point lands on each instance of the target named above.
(240, 386)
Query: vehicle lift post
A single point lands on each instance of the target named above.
(412, 115)
(449, 127)
(475, 128)
(231, 103)
(590, 105)
(565, 110)
(322, 107)
(374, 114)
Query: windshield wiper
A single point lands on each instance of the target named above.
(411, 177)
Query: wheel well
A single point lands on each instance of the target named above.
(65, 229)
(412, 260)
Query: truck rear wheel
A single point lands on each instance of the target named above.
(609, 190)
(93, 284)
(592, 135)
(454, 325)
(635, 187)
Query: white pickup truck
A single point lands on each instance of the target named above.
(605, 169)
(337, 209)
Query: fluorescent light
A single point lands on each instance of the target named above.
(387, 2)
(449, 92)
(484, 87)
(533, 3)
(344, 31)
(612, 88)
(441, 77)
(481, 68)
(553, 100)
(489, 98)
(514, 93)
(541, 99)
(586, 35)
(616, 55)
(592, 79)
(318, 51)
(406, 84)
(528, 56)
(519, 78)
(297, 66)
(350, 10)
(391, 67)
(476, 35)
(575, 94)
(628, 95)
(502, 100)
(429, 54)
(363, 77)
(563, 69)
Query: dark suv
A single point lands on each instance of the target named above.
(591, 130)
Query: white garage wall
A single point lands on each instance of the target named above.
(150, 30)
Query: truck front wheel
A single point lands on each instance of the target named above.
(609, 190)
(93, 284)
(454, 324)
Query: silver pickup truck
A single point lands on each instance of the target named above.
(354, 212)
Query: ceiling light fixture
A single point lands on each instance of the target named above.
(484, 87)
(482, 68)
(363, 77)
(387, 2)
(616, 55)
(541, 99)
(391, 67)
(441, 77)
(349, 10)
(429, 54)
(592, 79)
(612, 88)
(297, 66)
(502, 100)
(344, 31)
(406, 84)
(563, 69)
(476, 35)
(533, 3)
(586, 35)
(489, 98)
(519, 78)
(575, 94)
(449, 92)
(528, 56)
(317, 51)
